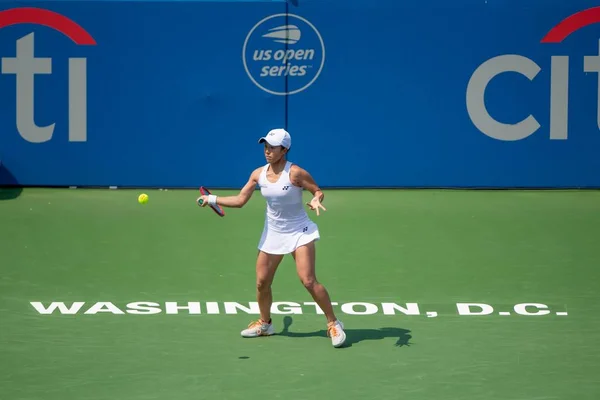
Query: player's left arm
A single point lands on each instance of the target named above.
(302, 178)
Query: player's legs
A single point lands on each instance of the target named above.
(305, 267)
(305, 257)
(266, 266)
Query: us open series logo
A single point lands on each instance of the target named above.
(283, 54)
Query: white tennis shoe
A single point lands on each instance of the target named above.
(258, 328)
(335, 330)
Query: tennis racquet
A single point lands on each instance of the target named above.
(216, 208)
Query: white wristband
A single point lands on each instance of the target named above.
(212, 199)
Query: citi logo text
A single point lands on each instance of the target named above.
(25, 66)
(559, 84)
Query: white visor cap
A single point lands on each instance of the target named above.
(277, 137)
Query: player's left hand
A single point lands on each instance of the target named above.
(315, 204)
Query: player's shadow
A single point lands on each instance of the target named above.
(353, 336)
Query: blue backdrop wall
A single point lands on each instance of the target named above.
(378, 93)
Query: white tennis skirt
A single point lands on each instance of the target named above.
(273, 242)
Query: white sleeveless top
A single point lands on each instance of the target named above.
(285, 210)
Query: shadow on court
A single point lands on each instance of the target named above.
(354, 336)
(10, 193)
(9, 187)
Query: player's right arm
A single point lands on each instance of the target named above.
(239, 200)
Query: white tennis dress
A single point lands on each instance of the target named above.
(287, 225)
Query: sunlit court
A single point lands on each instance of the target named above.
(461, 293)
(299, 199)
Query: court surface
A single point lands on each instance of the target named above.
(402, 256)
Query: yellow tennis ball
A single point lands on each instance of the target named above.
(143, 198)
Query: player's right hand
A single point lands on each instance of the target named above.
(204, 199)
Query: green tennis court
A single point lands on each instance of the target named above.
(155, 297)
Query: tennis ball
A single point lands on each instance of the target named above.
(143, 198)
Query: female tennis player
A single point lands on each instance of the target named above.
(287, 230)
